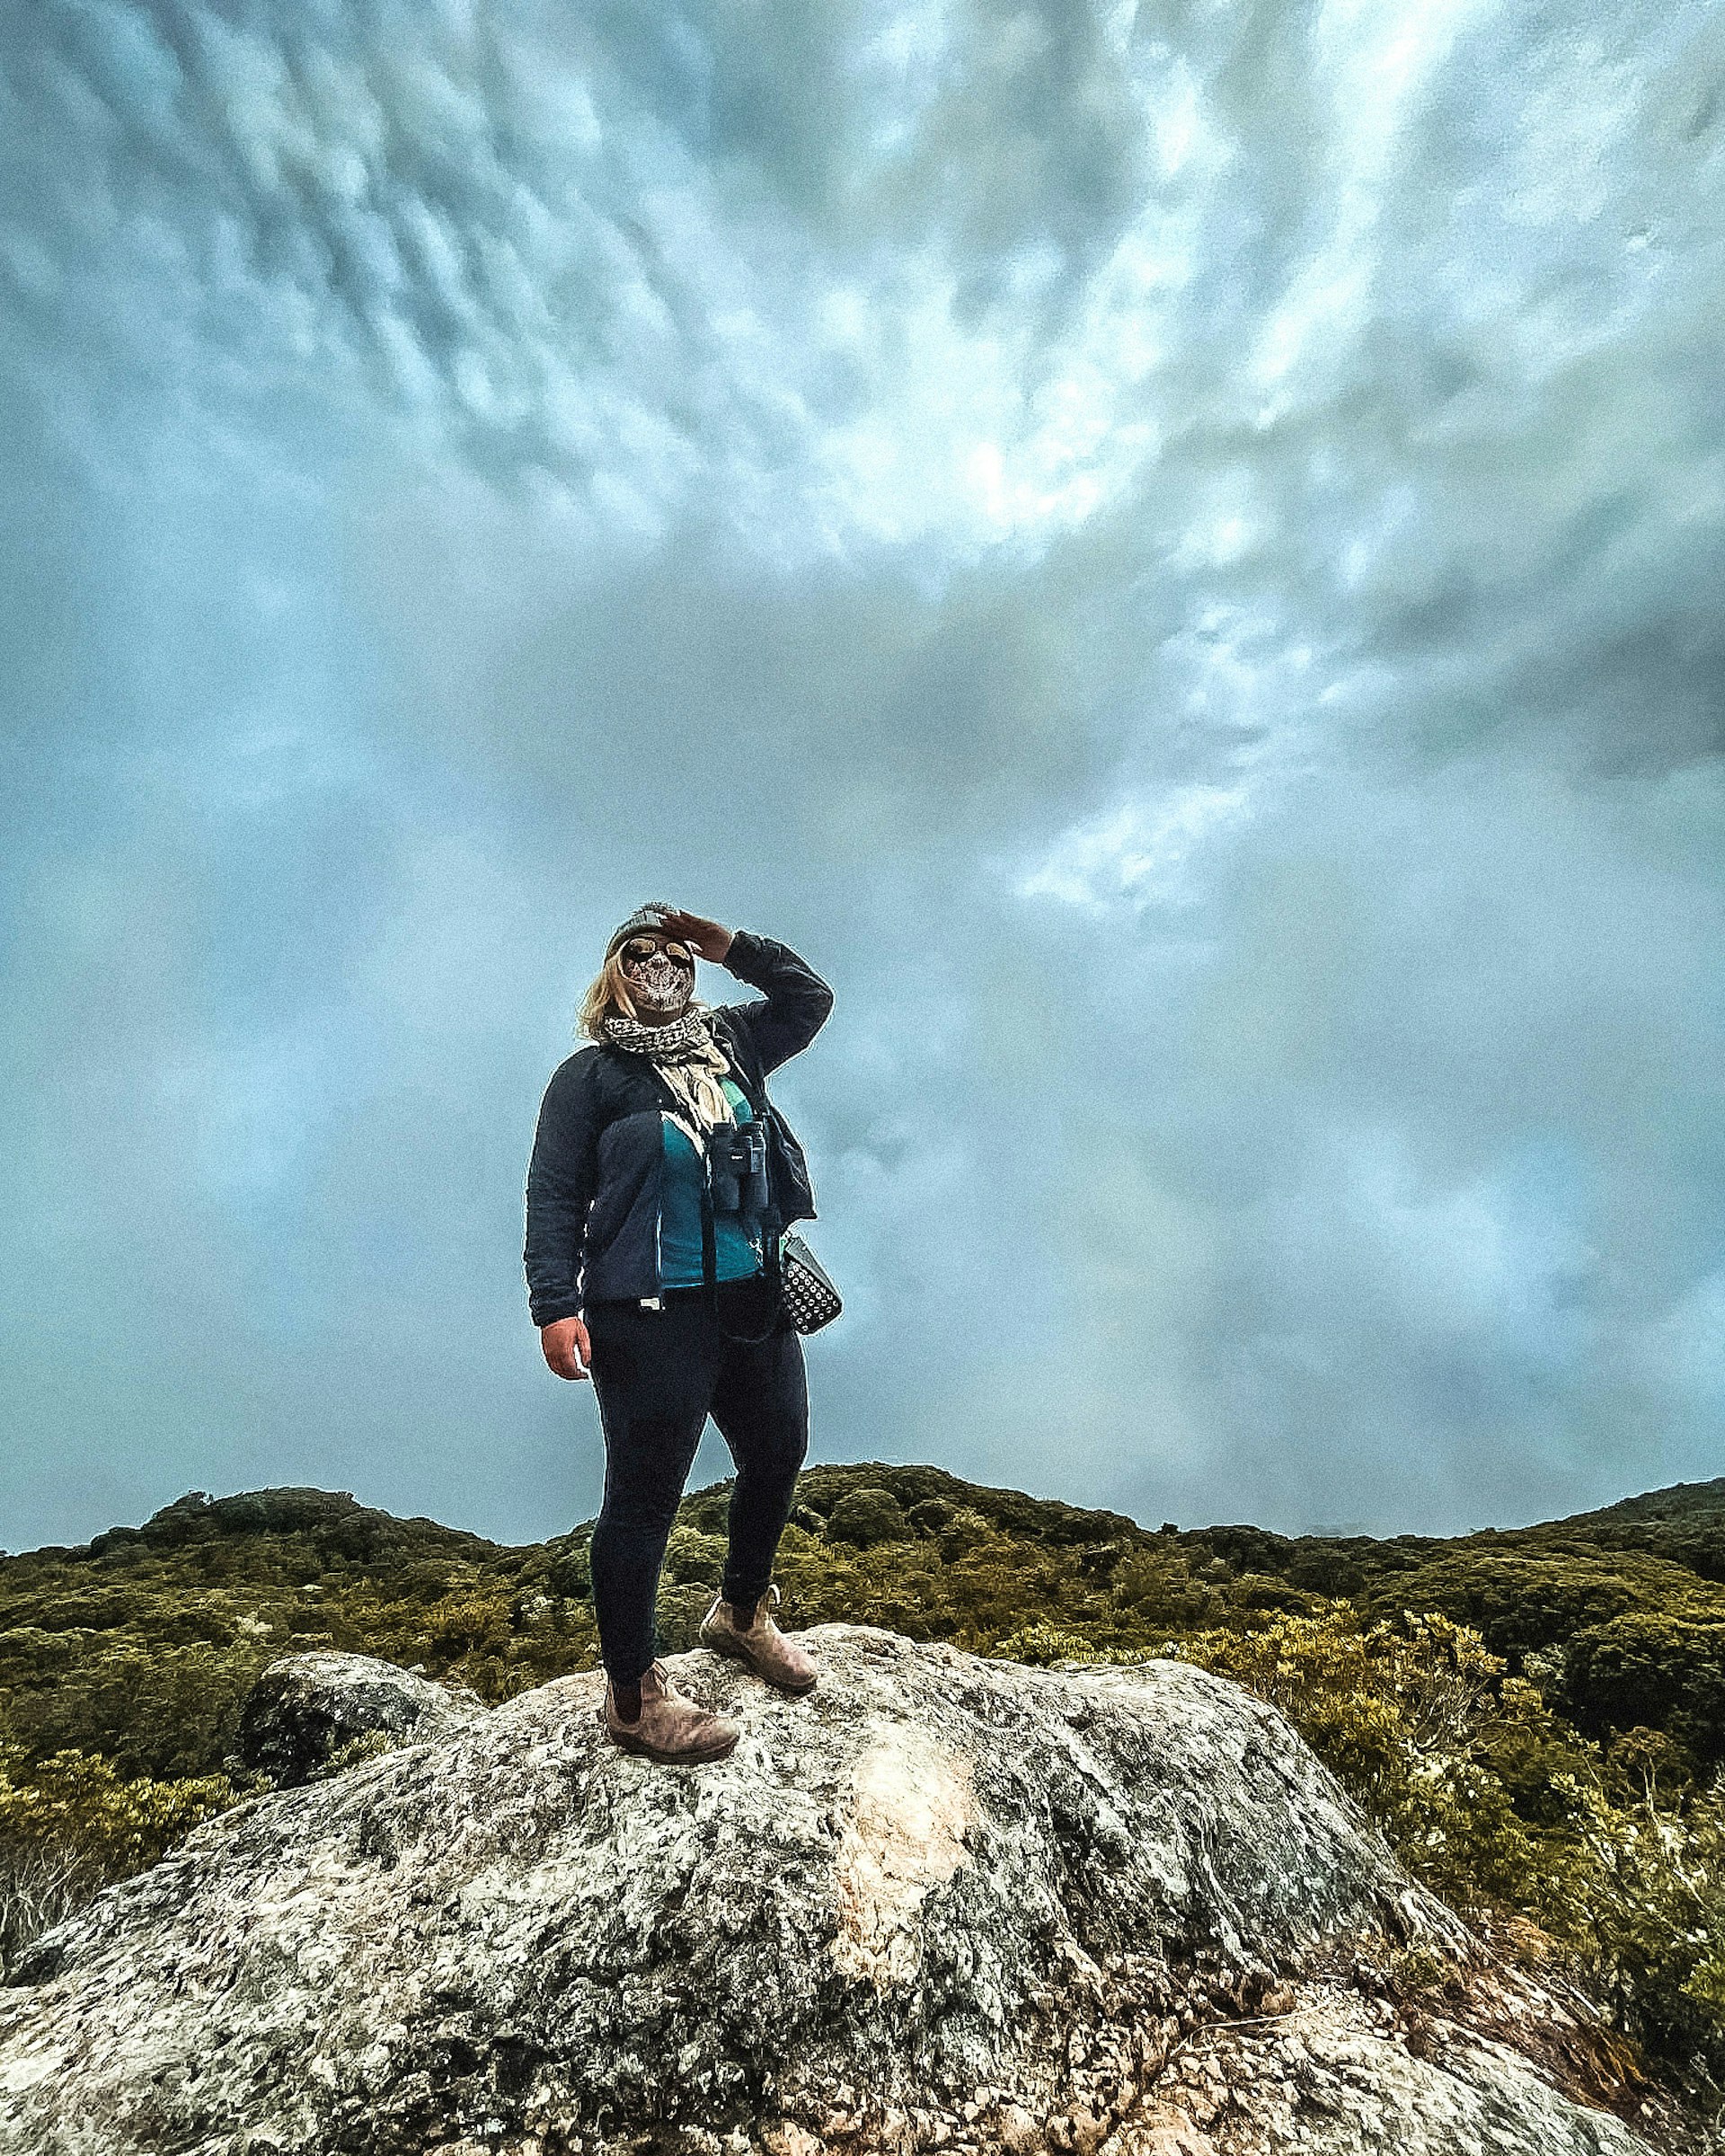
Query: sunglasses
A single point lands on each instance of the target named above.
(639, 950)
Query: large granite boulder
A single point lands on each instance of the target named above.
(940, 1902)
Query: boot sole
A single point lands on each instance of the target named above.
(627, 1742)
(737, 1654)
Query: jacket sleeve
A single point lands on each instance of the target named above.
(560, 1178)
(795, 1004)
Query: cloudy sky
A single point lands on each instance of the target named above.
(1173, 551)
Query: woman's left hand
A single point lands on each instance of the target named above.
(705, 938)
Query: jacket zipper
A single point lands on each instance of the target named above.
(659, 1216)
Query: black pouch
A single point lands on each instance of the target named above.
(811, 1299)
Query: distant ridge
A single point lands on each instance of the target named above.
(140, 1644)
(1681, 1501)
(339, 1517)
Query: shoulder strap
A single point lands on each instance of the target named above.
(709, 1247)
(738, 1052)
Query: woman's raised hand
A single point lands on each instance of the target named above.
(705, 938)
(567, 1347)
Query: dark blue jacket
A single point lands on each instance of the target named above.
(598, 1155)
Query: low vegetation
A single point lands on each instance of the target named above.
(1535, 1718)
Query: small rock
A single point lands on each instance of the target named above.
(306, 1708)
(1087, 2130)
(1018, 2132)
(784, 2138)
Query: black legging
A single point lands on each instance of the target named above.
(659, 1374)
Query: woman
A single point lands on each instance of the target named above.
(662, 1176)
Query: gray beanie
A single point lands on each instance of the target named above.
(645, 919)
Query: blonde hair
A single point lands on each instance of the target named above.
(609, 992)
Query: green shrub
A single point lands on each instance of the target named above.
(679, 1614)
(1665, 1669)
(1158, 1587)
(929, 1516)
(1639, 1899)
(1041, 1645)
(1501, 1807)
(1517, 1600)
(156, 1711)
(70, 1826)
(866, 1516)
(569, 1572)
(1406, 1717)
(692, 1557)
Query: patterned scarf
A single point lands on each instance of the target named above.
(687, 1057)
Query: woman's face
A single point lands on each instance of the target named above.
(661, 974)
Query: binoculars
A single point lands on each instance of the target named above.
(737, 1168)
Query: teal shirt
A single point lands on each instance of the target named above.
(737, 1250)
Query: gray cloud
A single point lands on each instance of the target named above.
(1173, 554)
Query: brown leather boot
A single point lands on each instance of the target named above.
(761, 1644)
(670, 1727)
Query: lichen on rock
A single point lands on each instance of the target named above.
(941, 1901)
